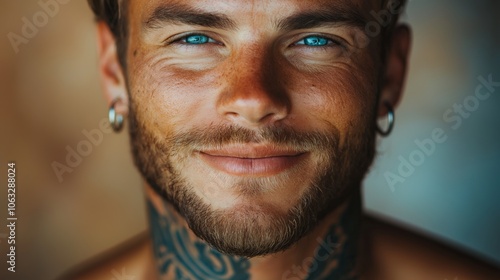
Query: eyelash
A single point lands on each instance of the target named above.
(330, 42)
(183, 40)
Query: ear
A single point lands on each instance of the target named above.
(112, 75)
(396, 65)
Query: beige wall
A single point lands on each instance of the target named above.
(50, 93)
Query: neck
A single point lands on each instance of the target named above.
(330, 251)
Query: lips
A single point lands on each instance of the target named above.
(252, 160)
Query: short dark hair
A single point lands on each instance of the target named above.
(114, 14)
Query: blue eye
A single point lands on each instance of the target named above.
(314, 41)
(197, 39)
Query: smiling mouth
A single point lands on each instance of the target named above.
(250, 160)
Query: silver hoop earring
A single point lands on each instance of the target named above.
(390, 121)
(116, 120)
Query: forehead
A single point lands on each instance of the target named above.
(255, 10)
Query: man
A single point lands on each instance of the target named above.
(253, 124)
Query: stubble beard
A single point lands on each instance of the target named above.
(253, 231)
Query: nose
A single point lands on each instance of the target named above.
(254, 94)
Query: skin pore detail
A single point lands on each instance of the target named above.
(181, 255)
(252, 124)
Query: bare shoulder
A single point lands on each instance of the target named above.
(402, 254)
(398, 254)
(130, 259)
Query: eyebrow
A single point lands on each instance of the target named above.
(182, 14)
(333, 16)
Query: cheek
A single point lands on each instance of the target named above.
(172, 98)
(343, 98)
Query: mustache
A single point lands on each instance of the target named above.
(213, 137)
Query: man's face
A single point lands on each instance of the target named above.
(253, 118)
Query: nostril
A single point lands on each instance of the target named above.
(269, 118)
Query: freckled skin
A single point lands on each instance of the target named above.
(251, 83)
(253, 76)
(337, 81)
(178, 92)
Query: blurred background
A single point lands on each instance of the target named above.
(50, 95)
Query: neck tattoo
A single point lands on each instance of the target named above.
(179, 256)
(337, 256)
